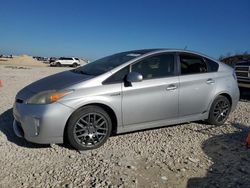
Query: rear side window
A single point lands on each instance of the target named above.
(118, 77)
(65, 58)
(191, 64)
(157, 66)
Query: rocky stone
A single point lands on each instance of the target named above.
(164, 178)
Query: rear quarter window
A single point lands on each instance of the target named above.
(212, 66)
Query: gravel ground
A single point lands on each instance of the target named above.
(187, 155)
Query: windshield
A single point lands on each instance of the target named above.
(108, 63)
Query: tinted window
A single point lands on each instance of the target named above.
(110, 62)
(191, 64)
(118, 77)
(212, 66)
(155, 66)
(65, 58)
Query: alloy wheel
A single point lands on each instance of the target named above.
(221, 110)
(91, 129)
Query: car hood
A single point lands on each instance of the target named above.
(57, 81)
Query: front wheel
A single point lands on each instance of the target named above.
(219, 111)
(88, 128)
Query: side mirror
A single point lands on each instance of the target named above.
(134, 77)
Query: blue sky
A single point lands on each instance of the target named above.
(95, 28)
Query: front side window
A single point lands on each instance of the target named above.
(108, 63)
(118, 77)
(191, 64)
(156, 66)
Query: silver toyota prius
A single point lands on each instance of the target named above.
(125, 92)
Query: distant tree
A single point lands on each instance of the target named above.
(237, 57)
(228, 54)
(245, 53)
(221, 57)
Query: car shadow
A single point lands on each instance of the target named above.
(231, 160)
(6, 120)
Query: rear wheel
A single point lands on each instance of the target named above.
(219, 111)
(88, 128)
(74, 65)
(58, 64)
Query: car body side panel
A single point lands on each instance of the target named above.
(226, 84)
(150, 100)
(195, 93)
(109, 95)
(161, 123)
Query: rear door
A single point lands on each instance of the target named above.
(197, 84)
(69, 61)
(154, 98)
(64, 61)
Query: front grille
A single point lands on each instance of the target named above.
(242, 74)
(245, 80)
(19, 100)
(241, 68)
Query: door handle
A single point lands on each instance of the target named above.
(210, 81)
(171, 87)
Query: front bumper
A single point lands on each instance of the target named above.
(43, 124)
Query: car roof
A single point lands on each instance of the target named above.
(149, 51)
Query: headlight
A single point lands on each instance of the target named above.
(47, 97)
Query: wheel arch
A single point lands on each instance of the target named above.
(107, 108)
(223, 93)
(227, 96)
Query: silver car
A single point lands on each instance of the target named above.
(125, 92)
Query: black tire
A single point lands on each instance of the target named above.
(219, 111)
(58, 64)
(84, 131)
(74, 65)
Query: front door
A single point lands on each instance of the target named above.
(154, 98)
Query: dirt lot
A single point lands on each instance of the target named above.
(187, 155)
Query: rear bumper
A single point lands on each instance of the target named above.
(43, 124)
